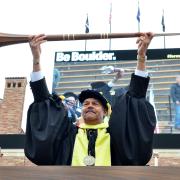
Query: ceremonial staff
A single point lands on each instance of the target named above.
(9, 39)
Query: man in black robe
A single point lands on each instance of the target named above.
(126, 140)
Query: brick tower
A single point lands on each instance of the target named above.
(11, 107)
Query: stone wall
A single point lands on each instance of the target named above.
(17, 158)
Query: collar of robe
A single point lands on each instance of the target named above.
(92, 140)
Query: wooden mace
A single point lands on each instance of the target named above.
(9, 39)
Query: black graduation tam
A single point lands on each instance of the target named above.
(70, 94)
(98, 85)
(93, 94)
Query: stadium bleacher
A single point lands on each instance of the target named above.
(76, 76)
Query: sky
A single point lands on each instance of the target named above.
(69, 16)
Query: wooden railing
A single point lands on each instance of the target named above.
(90, 173)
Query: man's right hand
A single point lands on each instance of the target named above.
(35, 45)
(35, 42)
(120, 73)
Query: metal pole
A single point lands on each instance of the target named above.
(170, 112)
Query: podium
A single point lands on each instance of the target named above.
(89, 173)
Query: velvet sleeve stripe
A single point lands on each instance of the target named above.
(138, 86)
(39, 90)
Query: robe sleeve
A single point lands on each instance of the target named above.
(47, 126)
(131, 125)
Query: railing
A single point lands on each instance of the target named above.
(91, 173)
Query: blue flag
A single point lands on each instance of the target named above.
(87, 25)
(163, 23)
(138, 14)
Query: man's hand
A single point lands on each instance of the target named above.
(35, 42)
(35, 45)
(119, 73)
(143, 42)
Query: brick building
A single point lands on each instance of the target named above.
(11, 106)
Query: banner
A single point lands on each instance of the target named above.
(114, 55)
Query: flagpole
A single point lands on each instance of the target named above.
(86, 30)
(138, 17)
(110, 17)
(110, 38)
(163, 28)
(138, 27)
(85, 44)
(164, 42)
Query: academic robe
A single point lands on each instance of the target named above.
(50, 136)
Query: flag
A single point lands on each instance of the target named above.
(163, 23)
(110, 13)
(87, 25)
(138, 14)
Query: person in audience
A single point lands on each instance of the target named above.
(175, 95)
(105, 88)
(71, 103)
(56, 79)
(51, 139)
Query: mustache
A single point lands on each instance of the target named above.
(90, 110)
